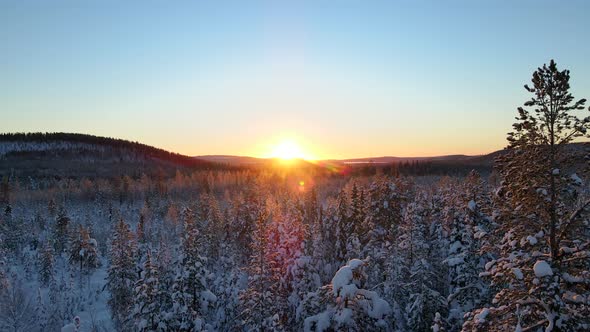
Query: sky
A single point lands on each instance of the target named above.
(340, 78)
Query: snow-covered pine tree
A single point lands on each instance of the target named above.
(140, 232)
(190, 295)
(60, 231)
(316, 241)
(4, 191)
(46, 264)
(326, 249)
(437, 240)
(12, 230)
(542, 219)
(147, 306)
(82, 250)
(312, 221)
(56, 303)
(305, 279)
(121, 273)
(412, 237)
(345, 304)
(424, 299)
(464, 217)
(463, 270)
(214, 226)
(52, 207)
(358, 213)
(226, 286)
(386, 201)
(17, 311)
(40, 311)
(342, 228)
(246, 206)
(384, 216)
(295, 248)
(166, 276)
(3, 267)
(421, 295)
(171, 223)
(258, 302)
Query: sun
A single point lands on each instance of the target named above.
(288, 150)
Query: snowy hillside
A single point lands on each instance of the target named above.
(78, 155)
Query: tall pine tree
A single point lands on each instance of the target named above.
(544, 249)
(121, 274)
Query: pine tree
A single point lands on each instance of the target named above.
(413, 233)
(147, 307)
(83, 251)
(542, 217)
(315, 229)
(121, 273)
(345, 304)
(358, 211)
(41, 312)
(294, 246)
(166, 276)
(8, 211)
(356, 223)
(465, 259)
(248, 209)
(5, 192)
(141, 232)
(60, 231)
(421, 295)
(52, 207)
(191, 297)
(342, 228)
(16, 310)
(226, 287)
(424, 300)
(3, 267)
(214, 226)
(259, 301)
(383, 219)
(46, 265)
(12, 231)
(56, 304)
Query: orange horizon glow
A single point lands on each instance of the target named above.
(296, 147)
(287, 148)
(315, 146)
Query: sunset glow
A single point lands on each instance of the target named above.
(321, 73)
(288, 150)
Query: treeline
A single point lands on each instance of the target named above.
(424, 168)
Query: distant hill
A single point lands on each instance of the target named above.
(253, 163)
(436, 165)
(81, 155)
(235, 160)
(392, 159)
(480, 159)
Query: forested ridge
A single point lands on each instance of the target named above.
(91, 140)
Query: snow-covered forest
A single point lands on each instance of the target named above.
(290, 250)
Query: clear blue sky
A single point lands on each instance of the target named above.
(342, 78)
